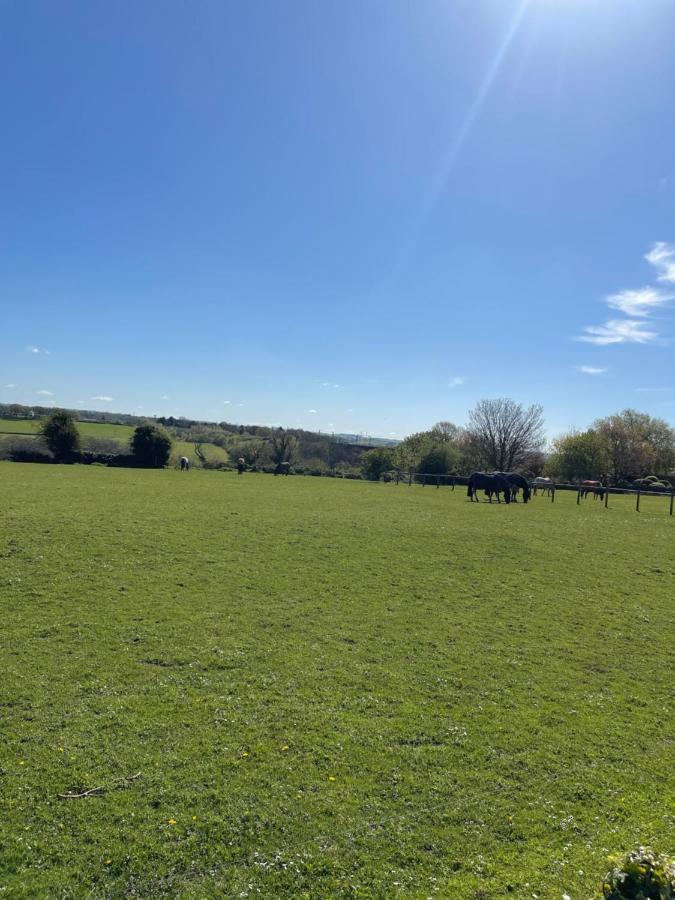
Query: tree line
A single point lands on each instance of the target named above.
(502, 435)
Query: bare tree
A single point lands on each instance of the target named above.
(284, 447)
(504, 434)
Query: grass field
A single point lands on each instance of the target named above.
(326, 688)
(121, 433)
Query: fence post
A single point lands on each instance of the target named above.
(398, 476)
(552, 493)
(672, 496)
(578, 495)
(410, 475)
(637, 502)
(606, 496)
(438, 481)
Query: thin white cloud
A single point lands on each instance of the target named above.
(662, 257)
(638, 303)
(227, 402)
(10, 386)
(457, 381)
(618, 331)
(34, 349)
(102, 398)
(591, 370)
(311, 410)
(329, 384)
(45, 393)
(165, 397)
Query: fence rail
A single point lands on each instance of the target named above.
(430, 478)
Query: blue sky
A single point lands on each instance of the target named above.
(350, 216)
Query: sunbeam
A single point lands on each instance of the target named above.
(450, 160)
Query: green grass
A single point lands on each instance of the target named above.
(121, 433)
(212, 452)
(330, 688)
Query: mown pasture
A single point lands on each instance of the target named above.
(311, 687)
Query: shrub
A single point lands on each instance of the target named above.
(641, 875)
(376, 462)
(59, 432)
(26, 450)
(151, 446)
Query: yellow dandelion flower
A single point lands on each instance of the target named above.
(108, 862)
(61, 750)
(22, 762)
(284, 748)
(172, 822)
(331, 777)
(194, 818)
(244, 754)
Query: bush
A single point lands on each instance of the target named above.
(27, 450)
(641, 875)
(151, 446)
(102, 445)
(59, 432)
(376, 462)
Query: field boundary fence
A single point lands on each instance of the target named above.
(430, 479)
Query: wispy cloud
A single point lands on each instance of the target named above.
(329, 384)
(227, 402)
(311, 410)
(34, 349)
(618, 331)
(165, 397)
(457, 381)
(638, 303)
(591, 370)
(10, 386)
(45, 393)
(662, 256)
(102, 398)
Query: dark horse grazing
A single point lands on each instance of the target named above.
(491, 484)
(518, 482)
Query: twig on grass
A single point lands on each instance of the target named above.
(71, 796)
(99, 790)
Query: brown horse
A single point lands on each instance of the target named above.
(592, 487)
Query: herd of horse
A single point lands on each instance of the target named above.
(509, 484)
(498, 484)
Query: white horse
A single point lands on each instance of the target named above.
(545, 485)
(184, 463)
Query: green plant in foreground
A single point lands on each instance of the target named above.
(641, 875)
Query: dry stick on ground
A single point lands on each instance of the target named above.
(99, 790)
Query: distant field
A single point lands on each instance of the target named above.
(293, 687)
(120, 433)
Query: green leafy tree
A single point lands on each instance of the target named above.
(637, 443)
(440, 459)
(151, 446)
(59, 432)
(579, 455)
(376, 462)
